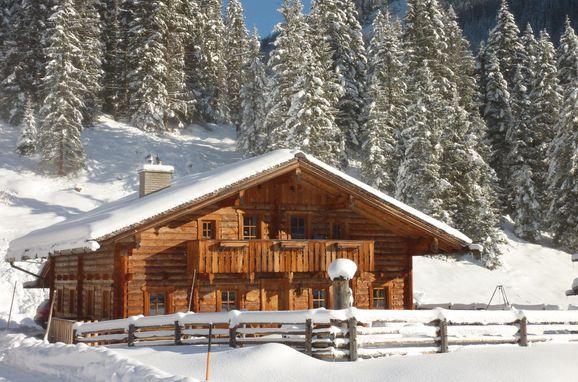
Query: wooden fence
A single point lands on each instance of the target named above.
(61, 331)
(334, 335)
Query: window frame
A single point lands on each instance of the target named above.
(255, 226)
(386, 296)
(305, 219)
(220, 292)
(325, 300)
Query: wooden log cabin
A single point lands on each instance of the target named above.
(256, 235)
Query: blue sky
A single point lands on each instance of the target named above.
(263, 14)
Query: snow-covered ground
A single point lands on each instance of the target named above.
(532, 274)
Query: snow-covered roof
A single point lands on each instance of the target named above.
(86, 230)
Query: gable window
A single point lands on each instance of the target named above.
(319, 298)
(228, 300)
(250, 227)
(337, 231)
(157, 304)
(209, 230)
(379, 298)
(297, 227)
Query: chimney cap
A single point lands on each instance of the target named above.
(153, 163)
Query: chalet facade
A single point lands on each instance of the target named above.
(255, 235)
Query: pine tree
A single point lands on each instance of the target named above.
(528, 60)
(469, 197)
(522, 198)
(90, 60)
(385, 110)
(24, 62)
(236, 56)
(563, 174)
(27, 143)
(148, 82)
(504, 43)
(60, 143)
(285, 66)
(337, 24)
(545, 102)
(252, 134)
(115, 88)
(568, 57)
(418, 181)
(498, 118)
(212, 75)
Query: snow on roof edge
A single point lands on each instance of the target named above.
(84, 231)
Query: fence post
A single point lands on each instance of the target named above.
(352, 326)
(523, 332)
(443, 336)
(233, 337)
(131, 335)
(309, 337)
(178, 334)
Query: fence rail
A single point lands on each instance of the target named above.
(345, 334)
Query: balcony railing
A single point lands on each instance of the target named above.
(250, 256)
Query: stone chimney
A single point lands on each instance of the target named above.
(154, 176)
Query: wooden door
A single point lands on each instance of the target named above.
(274, 296)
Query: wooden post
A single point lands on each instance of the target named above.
(50, 315)
(523, 332)
(443, 336)
(341, 294)
(209, 352)
(352, 326)
(233, 336)
(309, 337)
(178, 334)
(131, 335)
(11, 305)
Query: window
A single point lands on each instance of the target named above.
(297, 227)
(250, 227)
(337, 232)
(106, 304)
(71, 301)
(228, 300)
(319, 298)
(59, 301)
(89, 303)
(379, 300)
(209, 230)
(157, 304)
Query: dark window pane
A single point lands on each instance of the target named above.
(249, 227)
(319, 298)
(209, 230)
(379, 298)
(337, 231)
(228, 300)
(157, 304)
(297, 227)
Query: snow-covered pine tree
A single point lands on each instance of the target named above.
(567, 57)
(286, 66)
(481, 64)
(114, 92)
(193, 57)
(545, 104)
(24, 62)
(527, 60)
(469, 196)
(180, 100)
(90, 59)
(311, 123)
(252, 134)
(60, 144)
(418, 181)
(235, 56)
(28, 139)
(563, 174)
(338, 25)
(148, 81)
(212, 76)
(385, 109)
(498, 117)
(522, 199)
(427, 43)
(504, 43)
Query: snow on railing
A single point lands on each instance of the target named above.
(341, 334)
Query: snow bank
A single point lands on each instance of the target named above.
(77, 362)
(342, 268)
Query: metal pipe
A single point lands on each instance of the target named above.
(25, 271)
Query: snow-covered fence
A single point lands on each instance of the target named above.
(341, 334)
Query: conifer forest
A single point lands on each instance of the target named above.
(465, 134)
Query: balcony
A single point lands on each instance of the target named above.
(252, 256)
